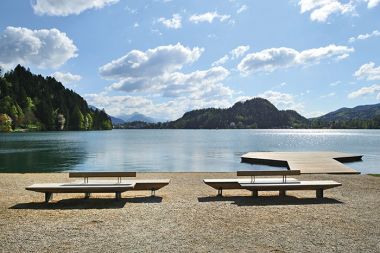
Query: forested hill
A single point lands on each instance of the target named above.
(361, 112)
(254, 113)
(33, 102)
(362, 116)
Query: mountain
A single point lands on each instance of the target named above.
(138, 117)
(361, 112)
(34, 102)
(116, 121)
(254, 113)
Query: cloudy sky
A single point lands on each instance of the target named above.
(165, 57)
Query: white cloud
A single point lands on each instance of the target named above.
(221, 61)
(65, 8)
(320, 10)
(242, 9)
(42, 48)
(239, 51)
(375, 33)
(368, 71)
(174, 23)
(120, 106)
(268, 60)
(197, 84)
(156, 73)
(234, 54)
(271, 59)
(152, 62)
(372, 3)
(208, 17)
(284, 101)
(365, 91)
(66, 78)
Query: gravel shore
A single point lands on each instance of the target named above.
(186, 216)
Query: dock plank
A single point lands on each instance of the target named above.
(306, 162)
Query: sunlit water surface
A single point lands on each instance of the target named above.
(174, 150)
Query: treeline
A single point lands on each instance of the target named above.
(347, 124)
(312, 124)
(251, 114)
(33, 102)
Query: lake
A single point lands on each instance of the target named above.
(174, 150)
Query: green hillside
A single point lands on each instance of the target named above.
(363, 116)
(254, 113)
(33, 102)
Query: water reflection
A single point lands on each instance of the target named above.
(174, 150)
(33, 155)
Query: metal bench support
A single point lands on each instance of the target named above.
(255, 193)
(87, 195)
(319, 193)
(220, 192)
(48, 196)
(282, 193)
(118, 195)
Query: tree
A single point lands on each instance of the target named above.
(77, 120)
(5, 123)
(45, 114)
(60, 121)
(88, 122)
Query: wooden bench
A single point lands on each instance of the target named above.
(318, 186)
(99, 186)
(254, 177)
(282, 184)
(141, 184)
(85, 188)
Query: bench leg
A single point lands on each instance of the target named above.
(220, 192)
(282, 193)
(319, 193)
(118, 195)
(48, 196)
(87, 195)
(153, 192)
(255, 193)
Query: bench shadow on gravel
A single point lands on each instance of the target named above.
(268, 200)
(92, 203)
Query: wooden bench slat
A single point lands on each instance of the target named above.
(79, 188)
(268, 173)
(102, 174)
(141, 184)
(302, 185)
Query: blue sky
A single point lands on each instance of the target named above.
(163, 58)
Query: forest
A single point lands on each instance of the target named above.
(30, 102)
(260, 113)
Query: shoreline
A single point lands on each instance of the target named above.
(186, 216)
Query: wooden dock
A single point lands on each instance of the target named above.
(306, 162)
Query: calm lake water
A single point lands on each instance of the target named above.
(174, 150)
